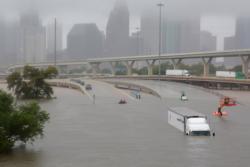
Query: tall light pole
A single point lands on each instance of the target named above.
(160, 5)
(55, 43)
(138, 41)
(138, 45)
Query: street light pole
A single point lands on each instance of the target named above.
(138, 41)
(55, 44)
(160, 5)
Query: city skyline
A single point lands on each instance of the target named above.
(212, 19)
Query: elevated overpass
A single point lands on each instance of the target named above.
(175, 59)
(206, 82)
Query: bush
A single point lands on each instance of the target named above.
(19, 124)
(31, 84)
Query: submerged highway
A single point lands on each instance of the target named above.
(105, 134)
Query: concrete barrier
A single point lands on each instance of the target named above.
(67, 84)
(132, 86)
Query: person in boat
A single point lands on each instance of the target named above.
(219, 111)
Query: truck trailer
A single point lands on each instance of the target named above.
(189, 122)
(177, 73)
(226, 74)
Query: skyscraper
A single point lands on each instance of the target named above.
(84, 41)
(53, 27)
(117, 31)
(207, 41)
(2, 42)
(12, 43)
(190, 35)
(149, 33)
(241, 40)
(33, 38)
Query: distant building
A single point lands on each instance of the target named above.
(2, 42)
(84, 41)
(33, 38)
(178, 35)
(173, 36)
(190, 35)
(9, 43)
(117, 31)
(241, 40)
(135, 44)
(50, 38)
(12, 43)
(229, 43)
(149, 33)
(208, 42)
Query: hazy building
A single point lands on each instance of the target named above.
(208, 42)
(50, 38)
(12, 43)
(242, 34)
(135, 44)
(84, 41)
(149, 33)
(178, 35)
(117, 31)
(190, 35)
(173, 36)
(241, 40)
(229, 43)
(2, 42)
(33, 38)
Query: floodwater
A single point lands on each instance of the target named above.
(106, 134)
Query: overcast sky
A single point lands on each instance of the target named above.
(218, 15)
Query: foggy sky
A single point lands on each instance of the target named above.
(80, 11)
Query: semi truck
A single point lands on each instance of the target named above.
(227, 74)
(230, 74)
(189, 122)
(177, 73)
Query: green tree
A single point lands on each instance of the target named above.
(31, 84)
(19, 124)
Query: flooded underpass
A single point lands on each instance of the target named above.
(137, 134)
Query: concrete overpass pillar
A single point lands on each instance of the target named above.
(176, 62)
(150, 64)
(129, 65)
(206, 63)
(95, 68)
(245, 64)
(113, 65)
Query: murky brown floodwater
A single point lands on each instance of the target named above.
(110, 135)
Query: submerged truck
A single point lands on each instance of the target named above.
(190, 122)
(177, 73)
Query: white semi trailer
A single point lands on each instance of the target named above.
(177, 73)
(189, 122)
(227, 74)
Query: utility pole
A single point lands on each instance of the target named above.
(55, 43)
(160, 5)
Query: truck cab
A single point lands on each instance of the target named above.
(197, 127)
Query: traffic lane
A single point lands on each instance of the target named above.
(105, 92)
(206, 103)
(111, 135)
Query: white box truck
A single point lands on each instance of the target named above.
(189, 122)
(177, 73)
(226, 74)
